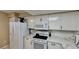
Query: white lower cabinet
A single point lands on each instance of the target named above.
(28, 43)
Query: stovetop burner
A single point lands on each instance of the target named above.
(40, 37)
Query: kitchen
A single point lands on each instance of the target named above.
(43, 29)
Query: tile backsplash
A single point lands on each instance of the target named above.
(63, 34)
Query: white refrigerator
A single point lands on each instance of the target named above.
(18, 33)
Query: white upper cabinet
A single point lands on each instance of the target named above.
(55, 22)
(69, 21)
(41, 22)
(65, 21)
(45, 22)
(30, 22)
(77, 22)
(38, 22)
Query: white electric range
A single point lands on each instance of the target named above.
(39, 40)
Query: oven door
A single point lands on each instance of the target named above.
(39, 45)
(54, 45)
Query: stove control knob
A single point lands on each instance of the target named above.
(40, 41)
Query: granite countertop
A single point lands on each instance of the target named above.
(66, 43)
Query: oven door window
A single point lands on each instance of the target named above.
(38, 46)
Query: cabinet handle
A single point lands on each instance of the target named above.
(61, 27)
(31, 42)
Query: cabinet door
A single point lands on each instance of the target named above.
(27, 43)
(55, 22)
(77, 22)
(69, 21)
(30, 22)
(41, 22)
(37, 21)
(45, 22)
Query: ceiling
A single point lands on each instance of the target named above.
(35, 12)
(39, 12)
(12, 11)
